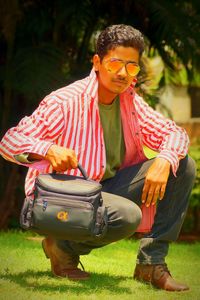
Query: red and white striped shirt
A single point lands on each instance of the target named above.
(69, 117)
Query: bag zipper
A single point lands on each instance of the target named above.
(55, 201)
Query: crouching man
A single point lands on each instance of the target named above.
(101, 122)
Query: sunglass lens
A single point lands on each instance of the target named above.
(132, 69)
(114, 66)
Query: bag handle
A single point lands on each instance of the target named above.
(82, 170)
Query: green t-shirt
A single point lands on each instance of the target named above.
(113, 136)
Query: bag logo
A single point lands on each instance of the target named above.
(62, 215)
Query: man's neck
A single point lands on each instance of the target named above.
(105, 96)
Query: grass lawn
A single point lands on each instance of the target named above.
(25, 272)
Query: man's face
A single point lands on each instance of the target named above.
(116, 78)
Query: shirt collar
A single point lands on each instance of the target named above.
(92, 87)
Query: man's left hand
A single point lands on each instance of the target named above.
(155, 181)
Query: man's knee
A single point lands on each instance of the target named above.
(131, 216)
(124, 216)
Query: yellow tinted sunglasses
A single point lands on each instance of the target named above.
(114, 65)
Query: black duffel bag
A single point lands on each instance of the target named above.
(65, 207)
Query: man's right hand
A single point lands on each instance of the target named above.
(61, 158)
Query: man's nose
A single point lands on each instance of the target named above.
(122, 72)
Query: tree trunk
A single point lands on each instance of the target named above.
(9, 17)
(8, 199)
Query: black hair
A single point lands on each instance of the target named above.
(119, 35)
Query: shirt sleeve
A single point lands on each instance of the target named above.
(23, 158)
(34, 134)
(161, 134)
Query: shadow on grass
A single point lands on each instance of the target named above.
(45, 281)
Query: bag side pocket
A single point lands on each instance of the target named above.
(26, 213)
(101, 224)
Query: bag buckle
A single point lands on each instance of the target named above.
(45, 203)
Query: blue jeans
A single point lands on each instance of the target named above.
(122, 196)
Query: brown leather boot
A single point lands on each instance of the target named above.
(159, 276)
(63, 264)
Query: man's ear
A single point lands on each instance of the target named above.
(96, 62)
